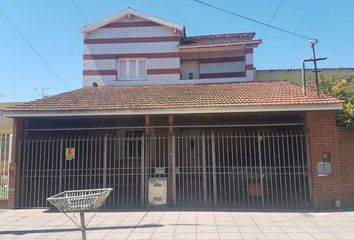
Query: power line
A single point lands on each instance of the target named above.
(34, 50)
(255, 21)
(271, 19)
(178, 16)
(78, 9)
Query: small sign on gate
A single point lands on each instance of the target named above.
(70, 154)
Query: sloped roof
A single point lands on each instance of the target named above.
(223, 97)
(4, 105)
(124, 13)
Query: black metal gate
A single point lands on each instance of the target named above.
(203, 168)
(242, 168)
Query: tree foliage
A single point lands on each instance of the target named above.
(343, 89)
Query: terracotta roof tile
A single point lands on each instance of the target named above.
(267, 93)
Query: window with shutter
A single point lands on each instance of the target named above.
(131, 69)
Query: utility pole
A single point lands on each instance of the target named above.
(313, 43)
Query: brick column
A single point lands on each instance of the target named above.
(16, 134)
(321, 126)
(345, 148)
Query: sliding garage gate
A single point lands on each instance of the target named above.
(201, 168)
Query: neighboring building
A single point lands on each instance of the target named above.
(165, 118)
(6, 126)
(294, 75)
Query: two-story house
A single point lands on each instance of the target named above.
(133, 48)
(169, 119)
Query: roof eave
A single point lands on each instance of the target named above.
(177, 111)
(121, 14)
(252, 43)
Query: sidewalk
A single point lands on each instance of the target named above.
(198, 224)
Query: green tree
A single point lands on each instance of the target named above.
(343, 89)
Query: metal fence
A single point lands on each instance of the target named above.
(5, 156)
(210, 168)
(243, 169)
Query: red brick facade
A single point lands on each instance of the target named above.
(321, 126)
(345, 147)
(17, 133)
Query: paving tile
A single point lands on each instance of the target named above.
(185, 236)
(325, 236)
(228, 229)
(186, 229)
(207, 235)
(277, 236)
(162, 235)
(253, 236)
(271, 229)
(165, 229)
(223, 223)
(300, 236)
(52, 235)
(249, 229)
(206, 228)
(345, 236)
(71, 236)
(117, 235)
(139, 236)
(144, 230)
(292, 229)
(230, 236)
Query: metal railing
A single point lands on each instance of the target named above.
(5, 157)
(202, 167)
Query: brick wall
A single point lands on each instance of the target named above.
(321, 126)
(17, 133)
(345, 147)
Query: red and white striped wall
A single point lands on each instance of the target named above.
(131, 37)
(215, 64)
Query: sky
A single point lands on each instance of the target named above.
(51, 27)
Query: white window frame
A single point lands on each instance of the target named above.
(127, 69)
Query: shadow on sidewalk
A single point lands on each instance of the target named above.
(23, 232)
